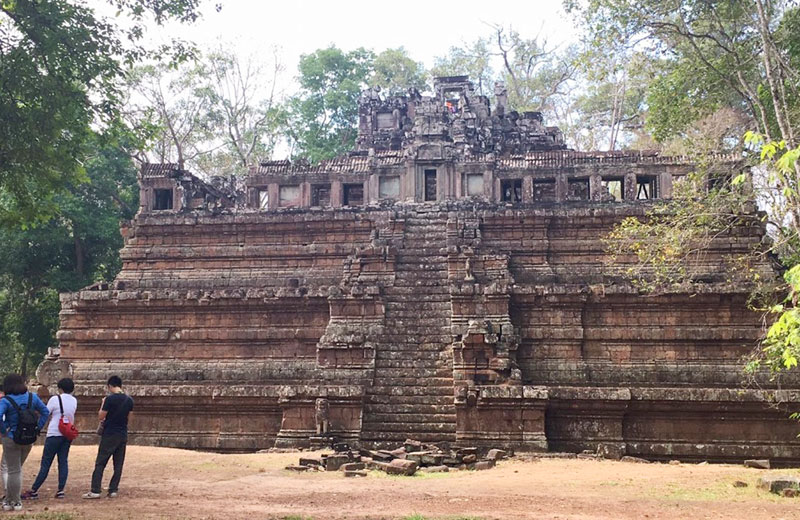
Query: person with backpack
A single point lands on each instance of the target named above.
(60, 434)
(115, 411)
(24, 415)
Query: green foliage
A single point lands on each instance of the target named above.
(75, 248)
(321, 118)
(395, 72)
(473, 59)
(60, 67)
(676, 233)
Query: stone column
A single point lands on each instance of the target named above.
(595, 187)
(630, 186)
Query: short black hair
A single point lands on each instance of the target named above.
(67, 385)
(14, 384)
(115, 381)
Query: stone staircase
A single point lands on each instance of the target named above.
(412, 391)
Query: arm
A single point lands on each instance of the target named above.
(44, 412)
(3, 410)
(101, 414)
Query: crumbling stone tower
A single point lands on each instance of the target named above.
(444, 281)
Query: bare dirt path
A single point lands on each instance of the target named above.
(166, 483)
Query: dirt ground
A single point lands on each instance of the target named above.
(167, 483)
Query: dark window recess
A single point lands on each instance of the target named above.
(578, 189)
(163, 199)
(430, 185)
(353, 195)
(544, 191)
(646, 188)
(321, 195)
(511, 190)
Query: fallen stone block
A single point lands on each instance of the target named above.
(628, 458)
(462, 452)
(310, 462)
(432, 459)
(483, 464)
(416, 456)
(353, 473)
(435, 469)
(777, 483)
(757, 463)
(495, 454)
(610, 450)
(452, 461)
(412, 445)
(400, 453)
(406, 467)
(675, 463)
(791, 492)
(352, 466)
(334, 462)
(739, 484)
(469, 459)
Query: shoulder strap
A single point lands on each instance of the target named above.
(60, 405)
(30, 400)
(13, 403)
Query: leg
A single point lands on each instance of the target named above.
(119, 460)
(63, 464)
(104, 452)
(50, 448)
(4, 471)
(13, 456)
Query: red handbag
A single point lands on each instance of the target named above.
(66, 428)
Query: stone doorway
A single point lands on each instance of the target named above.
(430, 185)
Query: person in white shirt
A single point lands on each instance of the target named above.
(56, 444)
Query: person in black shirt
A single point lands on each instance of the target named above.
(114, 415)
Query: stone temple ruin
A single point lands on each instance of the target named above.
(445, 281)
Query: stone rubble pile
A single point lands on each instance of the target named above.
(406, 460)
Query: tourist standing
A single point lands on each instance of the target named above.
(18, 431)
(56, 445)
(114, 414)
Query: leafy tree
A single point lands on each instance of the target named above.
(60, 67)
(216, 114)
(473, 59)
(321, 118)
(395, 72)
(80, 246)
(733, 62)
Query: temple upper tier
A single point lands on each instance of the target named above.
(414, 148)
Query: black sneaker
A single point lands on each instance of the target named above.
(60, 494)
(30, 495)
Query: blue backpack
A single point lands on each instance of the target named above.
(27, 422)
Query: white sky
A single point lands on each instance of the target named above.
(425, 28)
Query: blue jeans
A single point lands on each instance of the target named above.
(54, 446)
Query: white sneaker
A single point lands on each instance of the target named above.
(18, 506)
(7, 507)
(91, 495)
(112, 494)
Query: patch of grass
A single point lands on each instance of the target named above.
(296, 517)
(720, 490)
